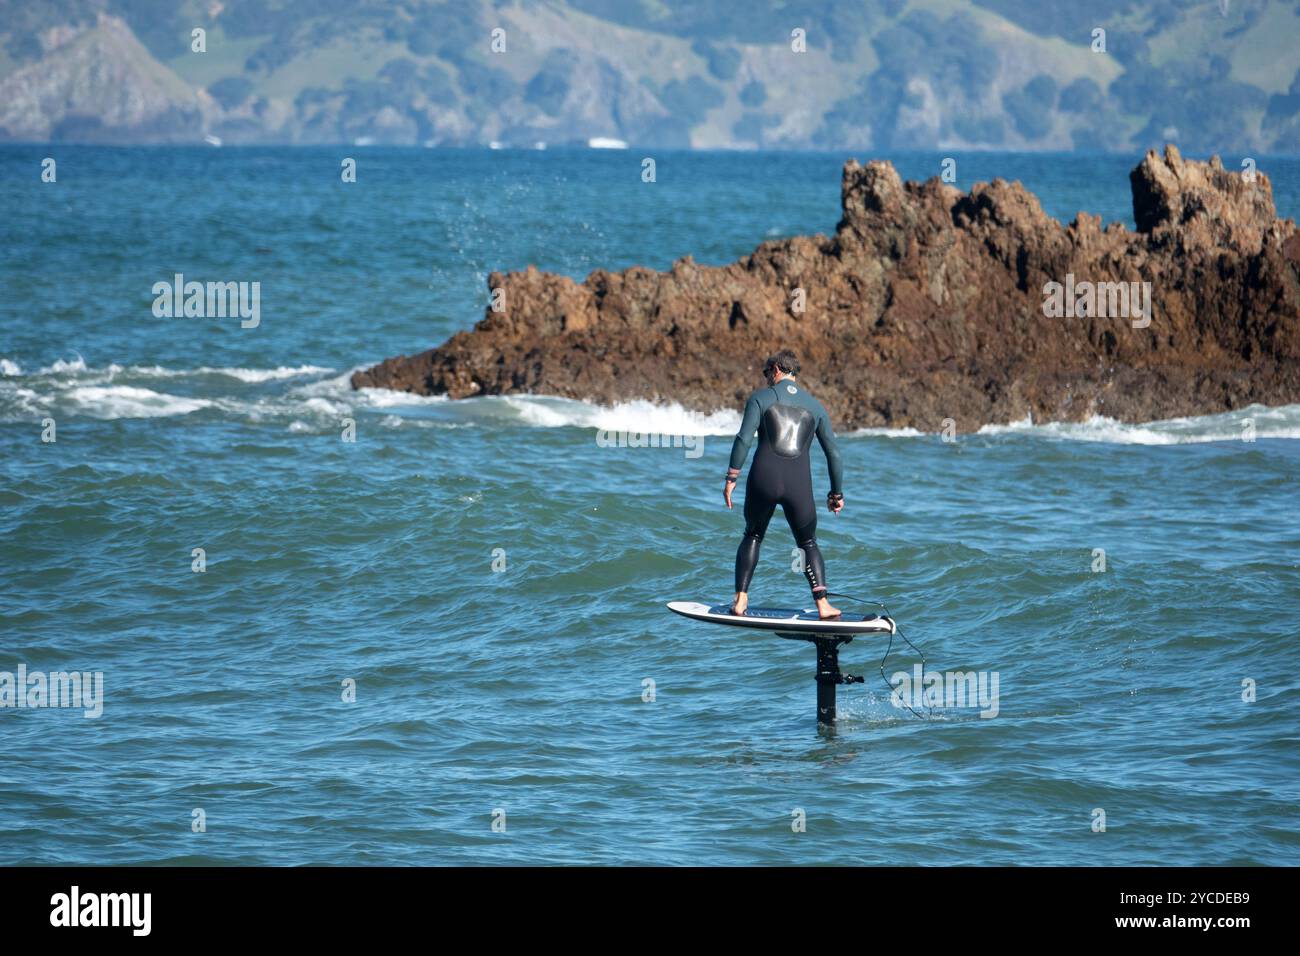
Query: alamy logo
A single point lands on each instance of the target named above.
(951, 689)
(613, 438)
(1102, 300)
(103, 909)
(36, 689)
(212, 300)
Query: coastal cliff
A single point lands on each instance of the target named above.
(927, 304)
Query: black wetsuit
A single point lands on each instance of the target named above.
(786, 419)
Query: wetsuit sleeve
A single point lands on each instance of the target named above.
(826, 435)
(745, 437)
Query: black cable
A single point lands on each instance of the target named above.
(889, 647)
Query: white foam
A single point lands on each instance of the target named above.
(325, 407)
(387, 398)
(647, 417)
(338, 386)
(640, 415)
(251, 375)
(270, 374)
(78, 367)
(61, 367)
(126, 401)
(94, 392)
(20, 404)
(115, 391)
(1282, 421)
(546, 411)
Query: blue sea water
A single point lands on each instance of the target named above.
(493, 579)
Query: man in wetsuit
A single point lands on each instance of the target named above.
(786, 418)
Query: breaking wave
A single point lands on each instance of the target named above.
(1258, 421)
(312, 398)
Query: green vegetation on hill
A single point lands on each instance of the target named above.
(1213, 77)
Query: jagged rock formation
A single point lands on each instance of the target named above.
(927, 304)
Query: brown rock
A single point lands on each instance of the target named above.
(926, 304)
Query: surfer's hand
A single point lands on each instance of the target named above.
(835, 505)
(726, 490)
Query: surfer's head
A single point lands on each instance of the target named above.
(784, 360)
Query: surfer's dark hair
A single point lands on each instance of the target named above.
(785, 360)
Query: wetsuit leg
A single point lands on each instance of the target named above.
(801, 515)
(759, 505)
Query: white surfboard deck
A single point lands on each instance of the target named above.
(787, 620)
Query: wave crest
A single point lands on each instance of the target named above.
(326, 396)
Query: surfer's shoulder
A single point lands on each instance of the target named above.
(812, 402)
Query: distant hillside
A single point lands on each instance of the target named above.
(1212, 76)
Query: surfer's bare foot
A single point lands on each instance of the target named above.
(825, 611)
(739, 605)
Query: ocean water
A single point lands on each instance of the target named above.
(490, 576)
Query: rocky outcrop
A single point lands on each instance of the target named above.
(927, 304)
